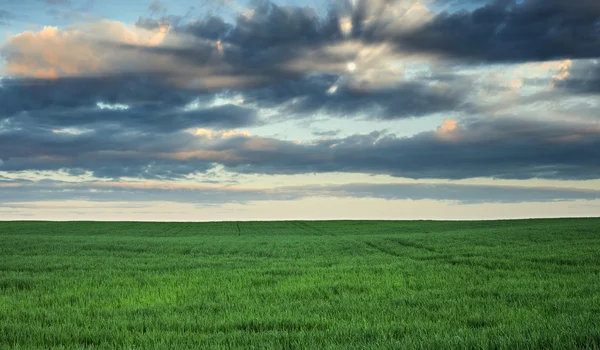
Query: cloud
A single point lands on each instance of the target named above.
(327, 133)
(465, 194)
(114, 126)
(495, 147)
(60, 73)
(500, 148)
(147, 104)
(274, 43)
(268, 42)
(76, 51)
(157, 7)
(128, 100)
(313, 94)
(509, 30)
(15, 193)
(582, 77)
(303, 54)
(5, 16)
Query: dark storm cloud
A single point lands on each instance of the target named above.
(259, 45)
(18, 95)
(401, 100)
(267, 25)
(507, 30)
(156, 119)
(499, 148)
(152, 105)
(58, 124)
(486, 31)
(110, 192)
(210, 70)
(496, 31)
(109, 152)
(256, 52)
(38, 104)
(212, 28)
(272, 25)
(276, 58)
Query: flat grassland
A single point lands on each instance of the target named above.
(530, 284)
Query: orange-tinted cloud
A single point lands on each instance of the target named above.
(78, 50)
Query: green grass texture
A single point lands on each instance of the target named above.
(514, 284)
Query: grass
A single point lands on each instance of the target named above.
(530, 284)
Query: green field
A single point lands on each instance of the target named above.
(531, 284)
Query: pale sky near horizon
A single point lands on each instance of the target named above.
(257, 110)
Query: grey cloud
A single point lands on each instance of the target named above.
(507, 30)
(212, 28)
(156, 119)
(266, 25)
(109, 152)
(147, 140)
(154, 105)
(257, 46)
(151, 105)
(150, 23)
(261, 44)
(255, 58)
(327, 133)
(464, 194)
(272, 25)
(109, 194)
(498, 148)
(584, 78)
(36, 117)
(495, 31)
(34, 94)
(403, 100)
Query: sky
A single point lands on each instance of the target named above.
(214, 110)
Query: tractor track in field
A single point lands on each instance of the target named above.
(168, 230)
(411, 245)
(454, 261)
(184, 228)
(237, 224)
(305, 227)
(402, 243)
(297, 225)
(383, 250)
(104, 231)
(320, 231)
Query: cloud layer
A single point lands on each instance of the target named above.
(501, 89)
(212, 195)
(499, 148)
